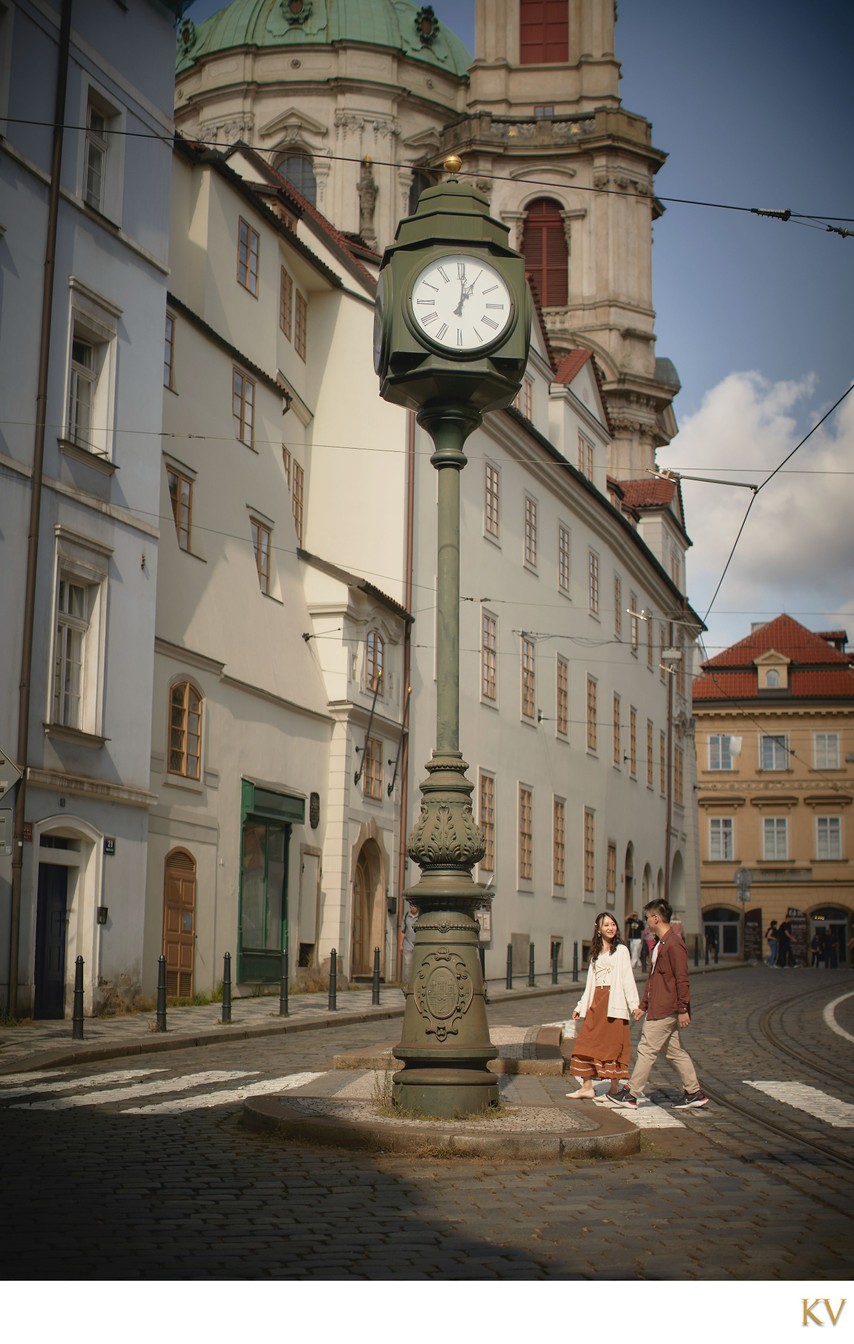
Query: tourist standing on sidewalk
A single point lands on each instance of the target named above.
(667, 1004)
(602, 1047)
(771, 940)
(634, 935)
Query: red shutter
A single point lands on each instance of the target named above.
(544, 248)
(543, 31)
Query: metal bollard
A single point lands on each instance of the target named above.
(283, 983)
(161, 993)
(375, 983)
(531, 980)
(554, 963)
(226, 987)
(77, 1012)
(333, 978)
(509, 980)
(575, 961)
(482, 954)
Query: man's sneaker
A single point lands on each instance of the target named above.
(697, 1098)
(625, 1099)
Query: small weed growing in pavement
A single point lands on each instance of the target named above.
(7, 1021)
(382, 1093)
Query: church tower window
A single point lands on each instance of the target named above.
(543, 31)
(298, 169)
(545, 251)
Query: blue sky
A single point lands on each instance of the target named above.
(751, 102)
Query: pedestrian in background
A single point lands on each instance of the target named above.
(771, 940)
(602, 1047)
(667, 1004)
(784, 943)
(634, 935)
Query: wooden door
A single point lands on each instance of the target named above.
(362, 919)
(179, 923)
(51, 929)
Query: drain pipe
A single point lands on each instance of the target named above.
(35, 505)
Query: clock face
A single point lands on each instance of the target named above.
(461, 303)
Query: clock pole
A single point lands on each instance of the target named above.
(445, 1047)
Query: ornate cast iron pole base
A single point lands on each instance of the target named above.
(445, 1045)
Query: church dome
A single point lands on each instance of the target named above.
(409, 28)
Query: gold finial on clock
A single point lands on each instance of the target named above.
(452, 164)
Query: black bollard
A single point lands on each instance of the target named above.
(554, 963)
(77, 1012)
(482, 954)
(333, 978)
(161, 993)
(531, 980)
(283, 983)
(226, 987)
(575, 961)
(375, 983)
(509, 980)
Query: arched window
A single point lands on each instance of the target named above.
(185, 730)
(374, 654)
(298, 169)
(545, 251)
(543, 31)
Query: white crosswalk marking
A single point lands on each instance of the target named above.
(839, 1114)
(70, 1084)
(648, 1116)
(141, 1089)
(208, 1099)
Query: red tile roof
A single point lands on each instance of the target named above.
(817, 671)
(649, 494)
(784, 635)
(570, 364)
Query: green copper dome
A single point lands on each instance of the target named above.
(405, 27)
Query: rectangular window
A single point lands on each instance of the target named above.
(775, 837)
(530, 531)
(543, 31)
(286, 303)
(286, 464)
(585, 457)
(526, 834)
(243, 407)
(633, 742)
(564, 568)
(486, 821)
(181, 496)
(559, 843)
(589, 850)
(185, 730)
(650, 763)
(562, 696)
(828, 837)
(262, 539)
(662, 764)
(720, 752)
(650, 641)
(721, 845)
(618, 607)
(301, 325)
(297, 498)
(592, 723)
(774, 751)
(827, 751)
(611, 874)
(678, 776)
(662, 645)
(634, 621)
(529, 683)
(680, 666)
(72, 625)
(90, 402)
(491, 500)
(373, 775)
(489, 657)
(593, 582)
(169, 354)
(248, 244)
(618, 749)
(263, 886)
(524, 399)
(95, 169)
(85, 359)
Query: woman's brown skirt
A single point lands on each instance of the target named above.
(602, 1048)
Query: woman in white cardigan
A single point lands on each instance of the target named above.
(602, 1048)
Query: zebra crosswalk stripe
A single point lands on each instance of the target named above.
(109, 1095)
(70, 1084)
(223, 1097)
(821, 1105)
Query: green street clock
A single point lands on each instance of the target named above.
(453, 317)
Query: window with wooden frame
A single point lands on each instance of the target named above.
(491, 500)
(262, 545)
(543, 31)
(611, 873)
(486, 820)
(524, 400)
(589, 849)
(185, 730)
(70, 651)
(634, 622)
(650, 642)
(592, 720)
(559, 843)
(633, 742)
(373, 773)
(564, 559)
(181, 497)
(678, 776)
(286, 464)
(374, 656)
(526, 833)
(529, 678)
(562, 696)
(169, 354)
(680, 666)
(585, 456)
(545, 250)
(775, 838)
(618, 749)
(91, 371)
(78, 646)
(663, 669)
(286, 303)
(530, 531)
(243, 407)
(650, 764)
(721, 839)
(828, 835)
(826, 751)
(297, 500)
(248, 246)
(773, 751)
(95, 157)
(593, 582)
(662, 764)
(301, 325)
(489, 657)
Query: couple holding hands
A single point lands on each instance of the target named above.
(601, 1049)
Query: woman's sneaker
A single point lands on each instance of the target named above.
(697, 1098)
(624, 1099)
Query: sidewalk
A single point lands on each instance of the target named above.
(49, 1044)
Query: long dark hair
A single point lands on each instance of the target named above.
(598, 942)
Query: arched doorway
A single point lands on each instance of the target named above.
(51, 937)
(629, 881)
(368, 910)
(723, 931)
(179, 922)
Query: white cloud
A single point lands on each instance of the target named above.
(796, 553)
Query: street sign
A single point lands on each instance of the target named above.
(9, 773)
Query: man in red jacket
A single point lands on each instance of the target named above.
(667, 1004)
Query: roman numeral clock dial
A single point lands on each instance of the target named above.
(461, 303)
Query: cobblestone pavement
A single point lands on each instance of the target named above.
(94, 1192)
